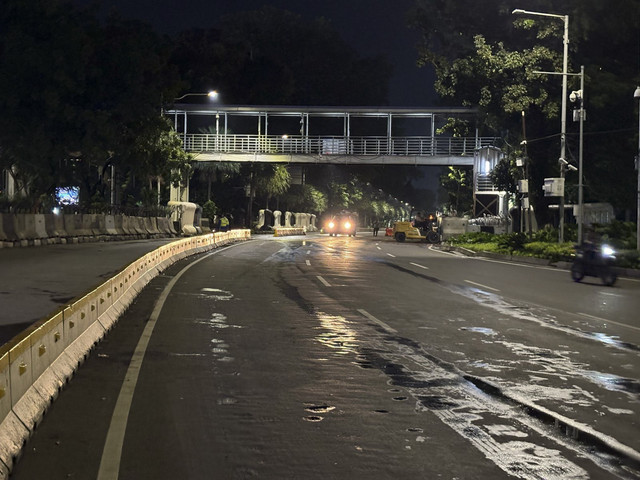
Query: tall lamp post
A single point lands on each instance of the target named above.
(563, 121)
(579, 97)
(636, 94)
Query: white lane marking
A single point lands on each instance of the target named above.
(378, 248)
(539, 267)
(418, 265)
(112, 452)
(308, 252)
(608, 321)
(391, 255)
(376, 321)
(482, 286)
(307, 262)
(612, 294)
(323, 281)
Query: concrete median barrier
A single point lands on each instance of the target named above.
(21, 229)
(3, 236)
(128, 227)
(73, 227)
(110, 226)
(284, 231)
(54, 227)
(165, 226)
(44, 229)
(35, 365)
(40, 228)
(138, 226)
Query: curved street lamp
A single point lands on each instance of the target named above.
(210, 94)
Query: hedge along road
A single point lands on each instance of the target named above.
(309, 358)
(35, 281)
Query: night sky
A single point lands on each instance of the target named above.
(371, 26)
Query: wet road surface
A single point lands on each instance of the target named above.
(318, 357)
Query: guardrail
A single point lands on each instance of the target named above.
(335, 145)
(36, 364)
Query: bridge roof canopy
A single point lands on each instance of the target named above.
(318, 111)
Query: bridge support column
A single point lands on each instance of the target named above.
(178, 195)
(8, 184)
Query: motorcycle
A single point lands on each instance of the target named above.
(595, 261)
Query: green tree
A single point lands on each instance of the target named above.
(69, 84)
(306, 198)
(483, 55)
(274, 181)
(459, 184)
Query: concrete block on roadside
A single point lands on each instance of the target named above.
(13, 435)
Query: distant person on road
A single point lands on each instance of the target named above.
(376, 227)
(224, 223)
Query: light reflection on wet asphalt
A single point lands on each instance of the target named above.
(498, 429)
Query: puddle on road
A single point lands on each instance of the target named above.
(559, 364)
(337, 334)
(458, 404)
(216, 294)
(487, 331)
(217, 321)
(523, 312)
(319, 408)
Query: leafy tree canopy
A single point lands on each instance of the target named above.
(484, 55)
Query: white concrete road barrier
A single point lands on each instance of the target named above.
(35, 365)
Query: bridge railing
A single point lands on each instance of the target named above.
(330, 145)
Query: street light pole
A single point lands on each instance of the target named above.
(579, 97)
(636, 94)
(563, 116)
(580, 179)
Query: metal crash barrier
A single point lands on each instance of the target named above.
(36, 364)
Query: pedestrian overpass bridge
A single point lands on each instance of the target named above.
(324, 135)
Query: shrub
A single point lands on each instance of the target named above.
(512, 241)
(209, 210)
(471, 238)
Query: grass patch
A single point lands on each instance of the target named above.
(540, 246)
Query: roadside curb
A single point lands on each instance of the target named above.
(571, 428)
(579, 432)
(622, 272)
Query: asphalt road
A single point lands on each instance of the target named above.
(36, 281)
(337, 357)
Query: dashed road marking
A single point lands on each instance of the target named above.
(418, 265)
(391, 255)
(307, 262)
(323, 281)
(377, 321)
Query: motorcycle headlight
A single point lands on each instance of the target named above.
(331, 224)
(607, 251)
